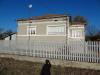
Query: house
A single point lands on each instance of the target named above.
(11, 37)
(51, 27)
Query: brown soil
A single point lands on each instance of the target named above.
(9, 66)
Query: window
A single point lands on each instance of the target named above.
(31, 30)
(76, 33)
(56, 30)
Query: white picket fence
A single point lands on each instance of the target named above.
(83, 51)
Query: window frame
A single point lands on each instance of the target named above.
(74, 33)
(28, 28)
(47, 31)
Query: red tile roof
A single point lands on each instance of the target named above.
(78, 23)
(47, 16)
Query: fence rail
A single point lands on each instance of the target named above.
(83, 51)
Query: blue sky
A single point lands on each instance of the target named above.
(10, 10)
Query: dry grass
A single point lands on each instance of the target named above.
(9, 66)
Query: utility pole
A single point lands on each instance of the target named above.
(29, 32)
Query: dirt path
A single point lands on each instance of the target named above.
(10, 66)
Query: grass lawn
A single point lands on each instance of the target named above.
(9, 66)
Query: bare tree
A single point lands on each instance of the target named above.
(4, 34)
(9, 33)
(92, 33)
(91, 30)
(1, 33)
(79, 19)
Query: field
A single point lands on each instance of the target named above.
(10, 66)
